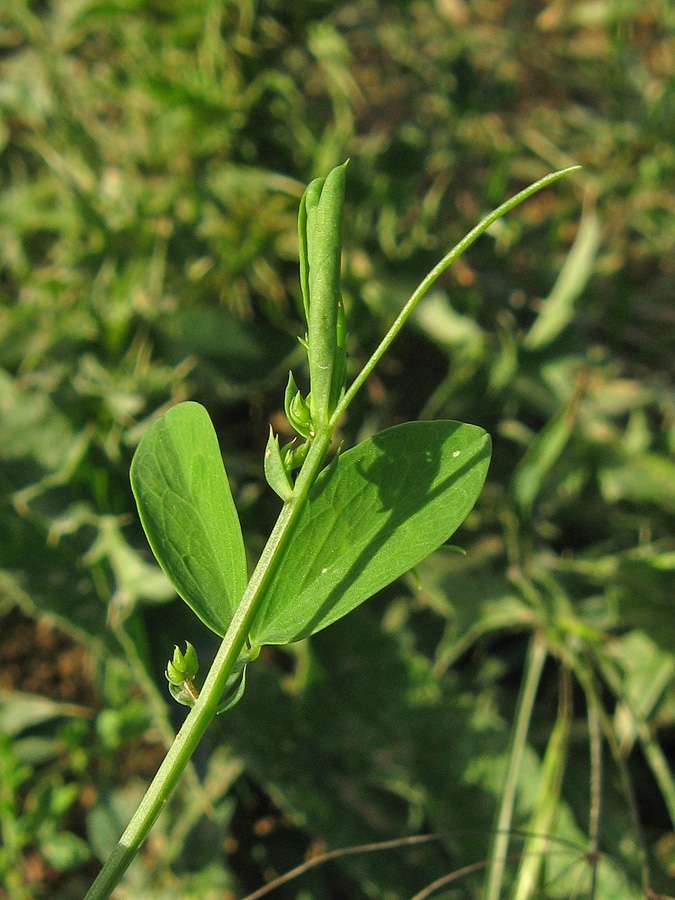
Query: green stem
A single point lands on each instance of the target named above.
(535, 663)
(205, 708)
(433, 275)
(547, 798)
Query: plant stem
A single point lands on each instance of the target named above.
(585, 676)
(546, 803)
(536, 657)
(206, 705)
(434, 274)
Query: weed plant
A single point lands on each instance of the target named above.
(346, 530)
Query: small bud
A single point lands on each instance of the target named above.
(180, 672)
(297, 409)
(183, 666)
(173, 676)
(293, 456)
(191, 663)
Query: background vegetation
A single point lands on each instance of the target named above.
(152, 156)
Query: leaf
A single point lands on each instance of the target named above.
(542, 455)
(385, 506)
(65, 850)
(243, 352)
(643, 478)
(21, 711)
(189, 516)
(473, 599)
(644, 589)
(557, 310)
(31, 426)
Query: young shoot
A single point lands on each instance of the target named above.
(345, 530)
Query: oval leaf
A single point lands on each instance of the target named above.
(187, 511)
(384, 507)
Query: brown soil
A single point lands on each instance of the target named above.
(40, 658)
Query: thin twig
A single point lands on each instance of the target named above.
(338, 854)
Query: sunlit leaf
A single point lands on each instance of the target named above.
(385, 506)
(186, 507)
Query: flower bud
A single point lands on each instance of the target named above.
(179, 673)
(297, 409)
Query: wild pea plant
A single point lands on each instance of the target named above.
(347, 528)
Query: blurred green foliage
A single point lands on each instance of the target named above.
(152, 157)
